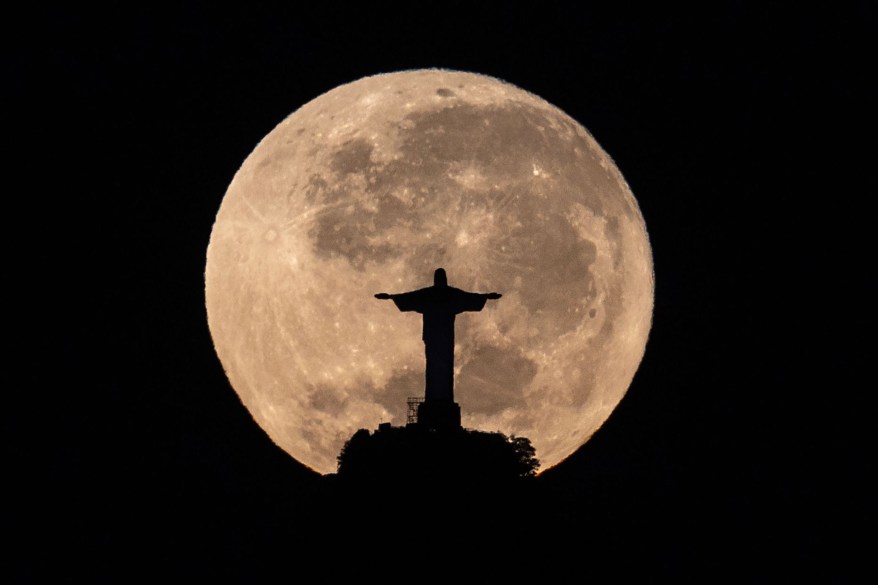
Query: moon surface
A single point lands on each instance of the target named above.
(371, 187)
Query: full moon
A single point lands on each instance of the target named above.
(372, 186)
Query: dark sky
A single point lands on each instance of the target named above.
(744, 131)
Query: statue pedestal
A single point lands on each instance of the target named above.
(439, 415)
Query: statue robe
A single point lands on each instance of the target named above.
(439, 305)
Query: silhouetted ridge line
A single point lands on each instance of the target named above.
(417, 454)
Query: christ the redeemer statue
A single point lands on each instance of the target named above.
(439, 304)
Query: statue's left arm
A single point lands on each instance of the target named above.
(467, 301)
(409, 301)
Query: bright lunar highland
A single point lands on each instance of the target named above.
(371, 187)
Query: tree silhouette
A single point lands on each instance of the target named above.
(526, 456)
(415, 455)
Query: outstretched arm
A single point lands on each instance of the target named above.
(470, 301)
(407, 301)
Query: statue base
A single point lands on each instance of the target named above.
(439, 415)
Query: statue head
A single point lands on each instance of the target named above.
(439, 277)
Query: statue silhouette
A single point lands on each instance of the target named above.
(439, 304)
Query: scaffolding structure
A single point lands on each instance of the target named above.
(413, 403)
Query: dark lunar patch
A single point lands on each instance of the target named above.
(315, 188)
(592, 313)
(353, 231)
(551, 261)
(613, 309)
(311, 435)
(265, 163)
(353, 157)
(613, 229)
(338, 235)
(493, 380)
(327, 399)
(402, 384)
(613, 232)
(445, 92)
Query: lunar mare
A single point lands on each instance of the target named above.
(372, 186)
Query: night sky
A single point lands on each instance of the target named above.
(741, 449)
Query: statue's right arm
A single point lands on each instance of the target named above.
(407, 301)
